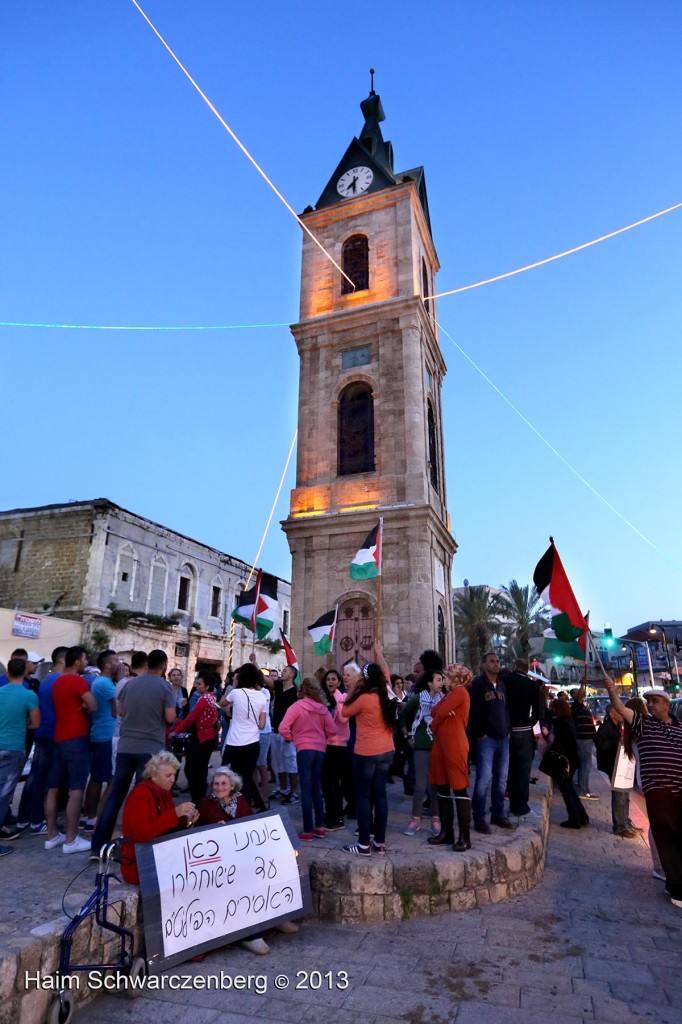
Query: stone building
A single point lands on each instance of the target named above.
(143, 585)
(370, 439)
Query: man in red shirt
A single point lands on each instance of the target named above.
(72, 702)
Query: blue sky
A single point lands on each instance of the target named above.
(540, 126)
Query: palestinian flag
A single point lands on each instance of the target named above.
(292, 660)
(322, 632)
(367, 563)
(245, 609)
(551, 581)
(266, 604)
(575, 649)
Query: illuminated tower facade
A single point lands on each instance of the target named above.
(370, 439)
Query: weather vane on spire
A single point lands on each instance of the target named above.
(371, 83)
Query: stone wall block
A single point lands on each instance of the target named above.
(373, 908)
(482, 896)
(393, 908)
(417, 876)
(439, 904)
(34, 1006)
(465, 899)
(329, 906)
(519, 885)
(451, 872)
(373, 876)
(9, 1011)
(513, 857)
(351, 908)
(421, 906)
(498, 891)
(8, 974)
(477, 871)
(325, 876)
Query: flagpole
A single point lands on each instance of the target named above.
(336, 615)
(377, 624)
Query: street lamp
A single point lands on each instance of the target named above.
(654, 629)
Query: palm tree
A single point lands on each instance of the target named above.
(526, 614)
(480, 614)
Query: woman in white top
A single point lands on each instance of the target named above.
(247, 706)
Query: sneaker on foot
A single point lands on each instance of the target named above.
(413, 827)
(39, 830)
(588, 796)
(377, 847)
(21, 826)
(319, 833)
(628, 833)
(435, 826)
(482, 826)
(9, 832)
(336, 827)
(306, 837)
(257, 946)
(79, 845)
(52, 844)
(503, 823)
(676, 903)
(356, 848)
(5, 850)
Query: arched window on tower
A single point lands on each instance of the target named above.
(441, 633)
(355, 263)
(425, 286)
(356, 430)
(433, 451)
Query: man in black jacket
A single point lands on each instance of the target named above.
(585, 733)
(607, 741)
(489, 724)
(523, 702)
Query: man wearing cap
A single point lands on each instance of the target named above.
(659, 742)
(18, 711)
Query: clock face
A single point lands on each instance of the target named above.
(354, 182)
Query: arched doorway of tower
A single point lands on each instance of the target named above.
(354, 630)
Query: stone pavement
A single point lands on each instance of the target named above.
(596, 940)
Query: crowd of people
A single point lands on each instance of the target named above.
(333, 742)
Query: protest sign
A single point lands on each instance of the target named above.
(205, 887)
(623, 770)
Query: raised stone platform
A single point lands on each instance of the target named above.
(411, 879)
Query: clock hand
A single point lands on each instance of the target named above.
(354, 183)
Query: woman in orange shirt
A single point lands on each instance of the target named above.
(449, 770)
(374, 715)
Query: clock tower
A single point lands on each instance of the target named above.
(370, 438)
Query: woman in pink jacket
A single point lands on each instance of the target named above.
(309, 724)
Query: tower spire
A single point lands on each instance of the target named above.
(371, 81)
(370, 136)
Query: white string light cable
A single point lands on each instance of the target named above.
(124, 327)
(272, 510)
(554, 450)
(559, 255)
(240, 143)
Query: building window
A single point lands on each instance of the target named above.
(285, 621)
(441, 633)
(183, 593)
(216, 595)
(433, 453)
(425, 286)
(356, 430)
(355, 263)
(156, 603)
(124, 577)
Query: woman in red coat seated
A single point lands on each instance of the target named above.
(149, 810)
(449, 769)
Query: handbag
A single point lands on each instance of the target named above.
(555, 765)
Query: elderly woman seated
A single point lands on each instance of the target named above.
(225, 804)
(149, 810)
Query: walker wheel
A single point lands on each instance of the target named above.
(61, 1010)
(138, 970)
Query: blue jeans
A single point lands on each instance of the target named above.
(310, 763)
(492, 765)
(620, 809)
(127, 767)
(585, 748)
(369, 775)
(32, 803)
(11, 764)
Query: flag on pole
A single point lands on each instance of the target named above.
(244, 611)
(292, 660)
(551, 581)
(266, 604)
(322, 632)
(367, 563)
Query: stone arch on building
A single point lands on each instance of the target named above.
(354, 629)
(441, 633)
(187, 589)
(216, 597)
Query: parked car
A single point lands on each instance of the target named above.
(676, 707)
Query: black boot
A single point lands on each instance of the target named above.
(464, 822)
(447, 823)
